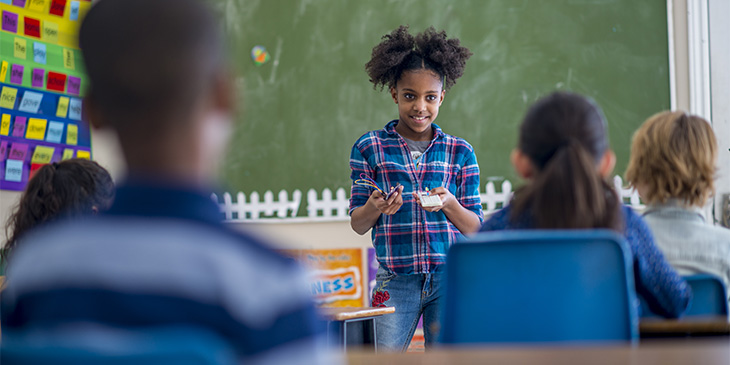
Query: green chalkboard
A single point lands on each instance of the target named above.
(303, 110)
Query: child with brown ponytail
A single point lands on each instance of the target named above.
(69, 188)
(563, 152)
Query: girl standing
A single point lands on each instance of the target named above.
(411, 232)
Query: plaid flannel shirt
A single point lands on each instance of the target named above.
(414, 241)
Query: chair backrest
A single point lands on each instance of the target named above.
(178, 345)
(709, 297)
(539, 286)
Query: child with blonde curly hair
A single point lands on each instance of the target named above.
(673, 166)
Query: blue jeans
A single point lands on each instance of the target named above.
(412, 296)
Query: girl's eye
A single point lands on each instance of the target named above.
(409, 96)
(431, 97)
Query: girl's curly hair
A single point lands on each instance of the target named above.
(400, 51)
(70, 188)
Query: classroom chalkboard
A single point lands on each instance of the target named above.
(303, 109)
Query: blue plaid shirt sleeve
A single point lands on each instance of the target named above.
(467, 181)
(359, 194)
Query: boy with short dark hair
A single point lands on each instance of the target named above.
(161, 256)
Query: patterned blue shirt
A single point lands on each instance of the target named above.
(414, 241)
(656, 281)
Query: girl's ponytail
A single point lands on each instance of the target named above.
(568, 193)
(70, 188)
(564, 136)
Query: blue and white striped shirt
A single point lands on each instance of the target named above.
(162, 257)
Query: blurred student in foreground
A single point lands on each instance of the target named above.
(673, 166)
(161, 255)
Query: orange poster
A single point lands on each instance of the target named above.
(335, 276)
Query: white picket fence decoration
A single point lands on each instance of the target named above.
(628, 195)
(241, 210)
(492, 200)
(330, 209)
(326, 207)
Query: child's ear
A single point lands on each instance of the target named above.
(394, 94)
(608, 162)
(224, 92)
(522, 164)
(443, 94)
(91, 112)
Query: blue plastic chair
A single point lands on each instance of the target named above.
(709, 297)
(185, 346)
(559, 286)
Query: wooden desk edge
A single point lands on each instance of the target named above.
(718, 324)
(345, 313)
(712, 351)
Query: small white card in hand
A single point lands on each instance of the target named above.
(429, 200)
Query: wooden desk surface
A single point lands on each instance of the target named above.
(670, 352)
(710, 325)
(345, 313)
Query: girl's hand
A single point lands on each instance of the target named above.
(447, 199)
(387, 207)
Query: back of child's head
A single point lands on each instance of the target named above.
(431, 50)
(673, 156)
(70, 188)
(149, 62)
(564, 136)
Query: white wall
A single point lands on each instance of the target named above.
(679, 52)
(720, 86)
(320, 235)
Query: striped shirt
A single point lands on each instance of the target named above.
(414, 241)
(162, 257)
(656, 282)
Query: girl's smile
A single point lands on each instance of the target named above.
(419, 95)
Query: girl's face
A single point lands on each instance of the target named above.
(419, 95)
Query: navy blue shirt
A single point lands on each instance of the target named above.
(161, 256)
(656, 281)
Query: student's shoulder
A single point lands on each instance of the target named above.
(636, 230)
(631, 218)
(198, 262)
(377, 139)
(720, 233)
(377, 135)
(458, 142)
(157, 236)
(499, 220)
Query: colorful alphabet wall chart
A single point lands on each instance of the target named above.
(41, 86)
